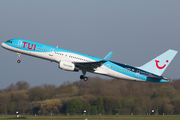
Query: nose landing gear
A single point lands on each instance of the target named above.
(18, 61)
(19, 56)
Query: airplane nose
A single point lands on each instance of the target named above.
(2, 44)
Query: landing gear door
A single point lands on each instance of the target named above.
(19, 45)
(51, 52)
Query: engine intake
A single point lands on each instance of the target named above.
(66, 65)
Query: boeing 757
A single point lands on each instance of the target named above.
(73, 61)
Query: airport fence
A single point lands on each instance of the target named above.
(84, 112)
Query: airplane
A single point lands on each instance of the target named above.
(73, 61)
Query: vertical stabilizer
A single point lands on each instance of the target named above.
(159, 64)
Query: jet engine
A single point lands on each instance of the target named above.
(69, 66)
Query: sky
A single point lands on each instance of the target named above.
(136, 31)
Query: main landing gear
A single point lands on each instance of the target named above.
(19, 56)
(83, 77)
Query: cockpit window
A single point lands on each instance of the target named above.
(9, 41)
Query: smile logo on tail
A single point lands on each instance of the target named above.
(157, 61)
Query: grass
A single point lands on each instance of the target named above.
(95, 117)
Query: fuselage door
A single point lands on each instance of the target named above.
(19, 45)
(107, 67)
(137, 74)
(51, 52)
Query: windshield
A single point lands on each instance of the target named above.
(9, 41)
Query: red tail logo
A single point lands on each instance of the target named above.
(157, 61)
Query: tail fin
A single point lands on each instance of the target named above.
(159, 64)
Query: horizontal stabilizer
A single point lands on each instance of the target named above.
(157, 78)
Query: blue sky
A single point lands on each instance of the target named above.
(135, 31)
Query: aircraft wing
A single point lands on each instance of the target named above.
(89, 65)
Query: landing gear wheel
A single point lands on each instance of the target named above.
(85, 78)
(18, 61)
(82, 77)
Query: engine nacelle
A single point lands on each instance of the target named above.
(69, 66)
